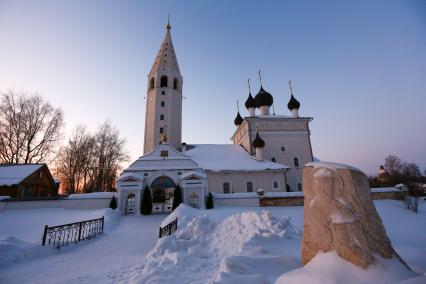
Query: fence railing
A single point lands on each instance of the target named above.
(63, 235)
(168, 229)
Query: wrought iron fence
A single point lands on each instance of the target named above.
(63, 235)
(169, 228)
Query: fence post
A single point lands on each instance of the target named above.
(102, 224)
(79, 232)
(44, 235)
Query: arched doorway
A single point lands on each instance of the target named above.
(162, 194)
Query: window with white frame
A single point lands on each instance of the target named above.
(226, 187)
(283, 149)
(299, 186)
(249, 186)
(296, 162)
(276, 185)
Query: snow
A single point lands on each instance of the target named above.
(222, 247)
(10, 175)
(225, 245)
(330, 268)
(93, 195)
(3, 197)
(109, 258)
(331, 166)
(220, 157)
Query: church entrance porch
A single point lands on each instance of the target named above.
(162, 194)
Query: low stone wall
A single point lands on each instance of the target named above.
(281, 201)
(86, 203)
(387, 195)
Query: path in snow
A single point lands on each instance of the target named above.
(107, 259)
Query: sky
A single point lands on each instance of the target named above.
(358, 67)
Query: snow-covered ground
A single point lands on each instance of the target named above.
(224, 245)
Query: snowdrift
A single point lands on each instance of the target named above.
(235, 249)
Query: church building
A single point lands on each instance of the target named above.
(267, 152)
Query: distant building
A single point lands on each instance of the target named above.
(268, 150)
(27, 181)
(384, 178)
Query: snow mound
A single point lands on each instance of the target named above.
(203, 250)
(13, 250)
(331, 269)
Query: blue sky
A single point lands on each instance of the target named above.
(358, 67)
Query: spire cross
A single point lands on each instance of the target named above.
(238, 107)
(168, 22)
(248, 80)
(291, 89)
(260, 78)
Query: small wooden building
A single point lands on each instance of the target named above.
(27, 181)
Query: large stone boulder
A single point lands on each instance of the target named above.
(340, 216)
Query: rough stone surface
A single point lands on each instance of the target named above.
(339, 215)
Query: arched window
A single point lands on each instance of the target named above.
(163, 81)
(175, 83)
(151, 83)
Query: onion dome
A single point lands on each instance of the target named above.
(250, 102)
(293, 103)
(258, 142)
(263, 98)
(238, 119)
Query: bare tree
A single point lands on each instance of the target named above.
(109, 156)
(411, 170)
(74, 161)
(30, 128)
(393, 165)
(91, 162)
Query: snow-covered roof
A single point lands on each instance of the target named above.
(127, 175)
(228, 157)
(154, 160)
(14, 174)
(193, 173)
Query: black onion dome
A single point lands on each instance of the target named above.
(250, 102)
(258, 142)
(293, 103)
(263, 98)
(238, 119)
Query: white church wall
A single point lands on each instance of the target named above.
(238, 180)
(277, 132)
(236, 199)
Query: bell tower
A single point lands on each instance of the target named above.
(164, 98)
